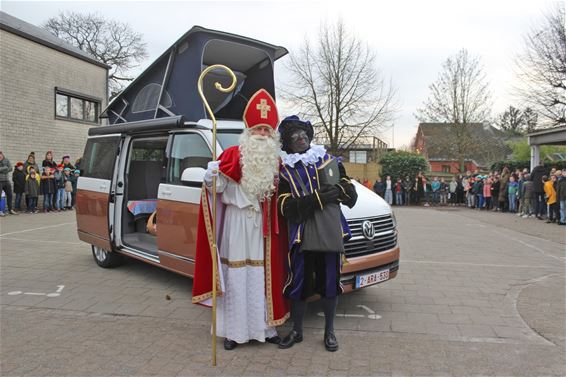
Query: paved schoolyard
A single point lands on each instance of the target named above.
(477, 294)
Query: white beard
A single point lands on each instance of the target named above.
(260, 164)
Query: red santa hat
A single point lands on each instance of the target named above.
(60, 166)
(261, 111)
(19, 163)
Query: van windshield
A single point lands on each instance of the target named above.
(228, 139)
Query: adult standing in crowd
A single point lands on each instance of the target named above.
(407, 188)
(538, 188)
(30, 162)
(452, 191)
(66, 162)
(78, 163)
(5, 185)
(49, 162)
(388, 190)
(419, 188)
(495, 185)
(460, 190)
(399, 192)
(503, 189)
(378, 187)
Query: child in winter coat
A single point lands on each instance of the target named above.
(512, 188)
(32, 190)
(47, 189)
(487, 193)
(60, 185)
(68, 199)
(528, 195)
(19, 180)
(74, 182)
(551, 202)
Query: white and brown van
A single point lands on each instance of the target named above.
(141, 175)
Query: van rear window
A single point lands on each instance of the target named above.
(99, 157)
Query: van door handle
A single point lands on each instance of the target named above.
(167, 193)
(103, 187)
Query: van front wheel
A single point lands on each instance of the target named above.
(106, 259)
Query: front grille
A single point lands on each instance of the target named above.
(385, 237)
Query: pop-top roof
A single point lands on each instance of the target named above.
(168, 87)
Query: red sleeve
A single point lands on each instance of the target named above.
(230, 163)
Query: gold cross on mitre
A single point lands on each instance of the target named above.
(264, 108)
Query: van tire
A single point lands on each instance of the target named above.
(106, 259)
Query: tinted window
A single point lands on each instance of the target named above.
(99, 157)
(189, 150)
(228, 139)
(69, 107)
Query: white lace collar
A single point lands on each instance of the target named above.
(311, 156)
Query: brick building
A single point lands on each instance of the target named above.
(51, 93)
(435, 141)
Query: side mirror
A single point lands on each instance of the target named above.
(193, 177)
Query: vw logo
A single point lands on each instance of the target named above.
(368, 230)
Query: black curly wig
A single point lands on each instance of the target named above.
(290, 125)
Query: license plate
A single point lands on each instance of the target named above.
(371, 278)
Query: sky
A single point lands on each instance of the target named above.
(411, 38)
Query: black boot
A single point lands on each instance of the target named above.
(273, 340)
(292, 338)
(298, 309)
(229, 345)
(330, 342)
(329, 306)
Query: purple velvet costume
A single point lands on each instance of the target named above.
(309, 272)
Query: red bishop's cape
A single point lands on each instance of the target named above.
(275, 236)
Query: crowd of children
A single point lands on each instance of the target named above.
(55, 183)
(540, 193)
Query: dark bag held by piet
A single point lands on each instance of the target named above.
(323, 231)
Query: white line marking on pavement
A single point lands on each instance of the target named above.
(472, 264)
(40, 228)
(371, 314)
(541, 250)
(54, 294)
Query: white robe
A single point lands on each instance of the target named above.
(241, 311)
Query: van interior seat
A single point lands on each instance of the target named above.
(144, 178)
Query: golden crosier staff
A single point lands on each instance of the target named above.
(219, 87)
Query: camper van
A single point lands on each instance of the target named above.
(140, 186)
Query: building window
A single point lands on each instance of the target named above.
(446, 168)
(72, 107)
(358, 157)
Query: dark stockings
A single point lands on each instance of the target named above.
(298, 309)
(329, 306)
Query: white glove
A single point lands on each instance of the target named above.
(211, 171)
(212, 168)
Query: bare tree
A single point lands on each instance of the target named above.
(531, 119)
(542, 67)
(461, 98)
(111, 42)
(335, 83)
(513, 121)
